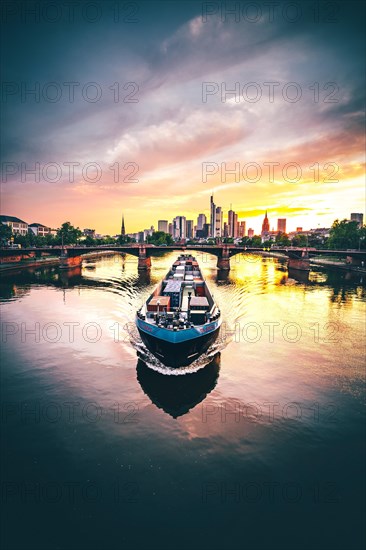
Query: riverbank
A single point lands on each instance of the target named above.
(48, 261)
(337, 265)
(320, 262)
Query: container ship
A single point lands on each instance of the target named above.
(180, 320)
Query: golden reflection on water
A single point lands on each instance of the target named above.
(286, 340)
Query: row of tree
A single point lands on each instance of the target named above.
(343, 235)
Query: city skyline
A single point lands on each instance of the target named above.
(161, 127)
(254, 222)
(181, 228)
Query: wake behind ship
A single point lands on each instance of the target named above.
(180, 319)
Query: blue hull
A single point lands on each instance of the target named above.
(180, 348)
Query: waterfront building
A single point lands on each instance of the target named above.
(17, 225)
(39, 230)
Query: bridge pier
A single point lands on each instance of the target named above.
(70, 261)
(223, 261)
(144, 262)
(300, 264)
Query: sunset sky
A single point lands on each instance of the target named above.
(166, 130)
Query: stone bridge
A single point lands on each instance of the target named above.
(298, 258)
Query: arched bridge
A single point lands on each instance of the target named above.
(72, 255)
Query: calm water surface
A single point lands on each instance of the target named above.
(259, 445)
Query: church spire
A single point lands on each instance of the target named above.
(265, 224)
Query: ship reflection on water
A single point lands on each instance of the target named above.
(177, 395)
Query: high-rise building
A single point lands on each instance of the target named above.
(265, 224)
(281, 225)
(235, 230)
(212, 217)
(163, 225)
(179, 227)
(241, 229)
(189, 229)
(206, 230)
(230, 222)
(218, 222)
(357, 217)
(250, 233)
(170, 229)
(201, 220)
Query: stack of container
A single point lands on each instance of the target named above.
(172, 290)
(163, 305)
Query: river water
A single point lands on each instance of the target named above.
(258, 445)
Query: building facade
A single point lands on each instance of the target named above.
(212, 217)
(39, 230)
(281, 225)
(179, 227)
(201, 220)
(17, 225)
(189, 229)
(265, 224)
(357, 217)
(218, 221)
(163, 226)
(241, 229)
(89, 233)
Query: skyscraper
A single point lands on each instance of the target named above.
(189, 229)
(230, 222)
(163, 225)
(235, 230)
(218, 222)
(201, 220)
(281, 225)
(212, 217)
(179, 227)
(241, 229)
